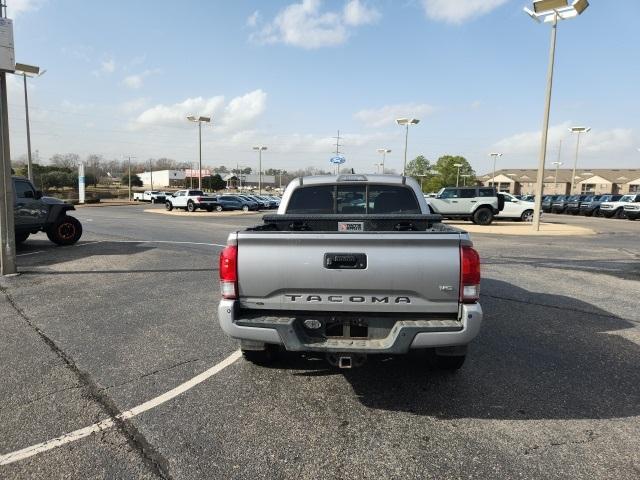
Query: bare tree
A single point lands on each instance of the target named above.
(68, 160)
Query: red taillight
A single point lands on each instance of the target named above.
(228, 269)
(469, 275)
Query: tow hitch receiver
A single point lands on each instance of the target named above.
(346, 360)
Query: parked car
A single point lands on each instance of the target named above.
(35, 213)
(246, 203)
(516, 209)
(264, 204)
(547, 202)
(229, 202)
(271, 203)
(573, 206)
(616, 208)
(478, 204)
(592, 208)
(191, 200)
(349, 295)
(153, 196)
(559, 205)
(528, 198)
(632, 209)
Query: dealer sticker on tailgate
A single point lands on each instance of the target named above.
(351, 226)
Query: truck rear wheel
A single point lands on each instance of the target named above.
(450, 363)
(261, 357)
(168, 206)
(483, 216)
(191, 207)
(66, 231)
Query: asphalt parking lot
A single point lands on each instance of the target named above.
(101, 334)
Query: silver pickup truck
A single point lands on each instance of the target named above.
(351, 266)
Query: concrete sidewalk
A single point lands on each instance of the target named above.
(524, 229)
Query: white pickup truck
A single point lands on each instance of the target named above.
(192, 200)
(153, 196)
(351, 266)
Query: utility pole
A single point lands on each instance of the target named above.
(151, 172)
(260, 148)
(338, 145)
(7, 227)
(130, 176)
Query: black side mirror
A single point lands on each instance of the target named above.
(38, 194)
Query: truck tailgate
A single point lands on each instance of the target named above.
(374, 272)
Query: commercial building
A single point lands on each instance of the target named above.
(249, 180)
(596, 181)
(162, 178)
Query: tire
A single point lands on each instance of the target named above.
(219, 208)
(261, 357)
(169, 206)
(527, 216)
(191, 207)
(245, 208)
(153, 200)
(66, 231)
(21, 237)
(620, 214)
(483, 216)
(597, 212)
(450, 363)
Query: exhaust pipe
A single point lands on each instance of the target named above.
(346, 360)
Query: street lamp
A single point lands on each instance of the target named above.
(199, 121)
(555, 181)
(495, 156)
(458, 165)
(578, 130)
(550, 11)
(28, 71)
(405, 122)
(384, 152)
(260, 148)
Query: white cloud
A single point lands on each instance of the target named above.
(17, 7)
(137, 80)
(109, 66)
(235, 116)
(134, 105)
(356, 13)
(305, 25)
(253, 19)
(387, 115)
(459, 11)
(599, 143)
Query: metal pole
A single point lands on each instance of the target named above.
(545, 127)
(260, 171)
(406, 142)
(200, 155)
(26, 111)
(458, 178)
(495, 157)
(7, 227)
(575, 164)
(384, 157)
(129, 177)
(151, 172)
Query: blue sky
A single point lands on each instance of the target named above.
(121, 77)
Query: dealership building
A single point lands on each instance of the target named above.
(163, 178)
(596, 181)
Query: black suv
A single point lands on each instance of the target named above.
(592, 208)
(575, 202)
(34, 213)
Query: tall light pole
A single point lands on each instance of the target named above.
(259, 148)
(578, 131)
(549, 11)
(384, 152)
(130, 157)
(555, 180)
(199, 121)
(458, 166)
(405, 122)
(495, 156)
(28, 71)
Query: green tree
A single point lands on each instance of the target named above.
(214, 183)
(135, 181)
(447, 172)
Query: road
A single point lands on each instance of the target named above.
(549, 390)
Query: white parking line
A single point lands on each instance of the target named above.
(76, 435)
(30, 253)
